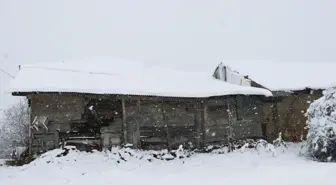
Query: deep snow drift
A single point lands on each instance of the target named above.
(246, 167)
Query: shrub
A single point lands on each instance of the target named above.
(321, 138)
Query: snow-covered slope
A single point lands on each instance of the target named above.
(237, 168)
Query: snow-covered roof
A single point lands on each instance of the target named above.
(288, 76)
(116, 76)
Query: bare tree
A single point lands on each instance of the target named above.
(14, 131)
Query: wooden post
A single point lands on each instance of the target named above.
(198, 130)
(124, 128)
(204, 117)
(30, 142)
(30, 135)
(30, 139)
(230, 129)
(138, 141)
(166, 126)
(198, 125)
(57, 139)
(275, 120)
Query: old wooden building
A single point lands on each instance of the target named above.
(107, 102)
(294, 86)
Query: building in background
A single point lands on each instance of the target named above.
(294, 86)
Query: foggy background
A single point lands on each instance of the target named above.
(186, 34)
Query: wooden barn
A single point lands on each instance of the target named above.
(294, 86)
(104, 102)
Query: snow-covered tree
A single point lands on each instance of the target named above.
(321, 138)
(14, 131)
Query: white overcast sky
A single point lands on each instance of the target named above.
(177, 33)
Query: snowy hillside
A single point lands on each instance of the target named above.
(238, 168)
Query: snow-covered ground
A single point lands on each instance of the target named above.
(243, 168)
(2, 161)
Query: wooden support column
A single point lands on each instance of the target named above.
(137, 133)
(275, 120)
(30, 138)
(166, 126)
(124, 126)
(198, 131)
(30, 126)
(230, 126)
(198, 125)
(204, 117)
(56, 139)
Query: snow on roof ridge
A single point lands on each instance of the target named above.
(75, 71)
(101, 64)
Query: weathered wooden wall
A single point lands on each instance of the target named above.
(60, 110)
(157, 124)
(148, 123)
(244, 119)
(108, 113)
(288, 114)
(216, 122)
(271, 119)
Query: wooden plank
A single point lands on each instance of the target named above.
(153, 131)
(124, 128)
(153, 139)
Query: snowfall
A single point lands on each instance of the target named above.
(241, 167)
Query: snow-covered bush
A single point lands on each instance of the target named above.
(321, 138)
(14, 132)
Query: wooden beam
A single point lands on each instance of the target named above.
(204, 118)
(56, 139)
(276, 121)
(198, 125)
(30, 135)
(138, 141)
(124, 126)
(30, 138)
(230, 128)
(166, 126)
